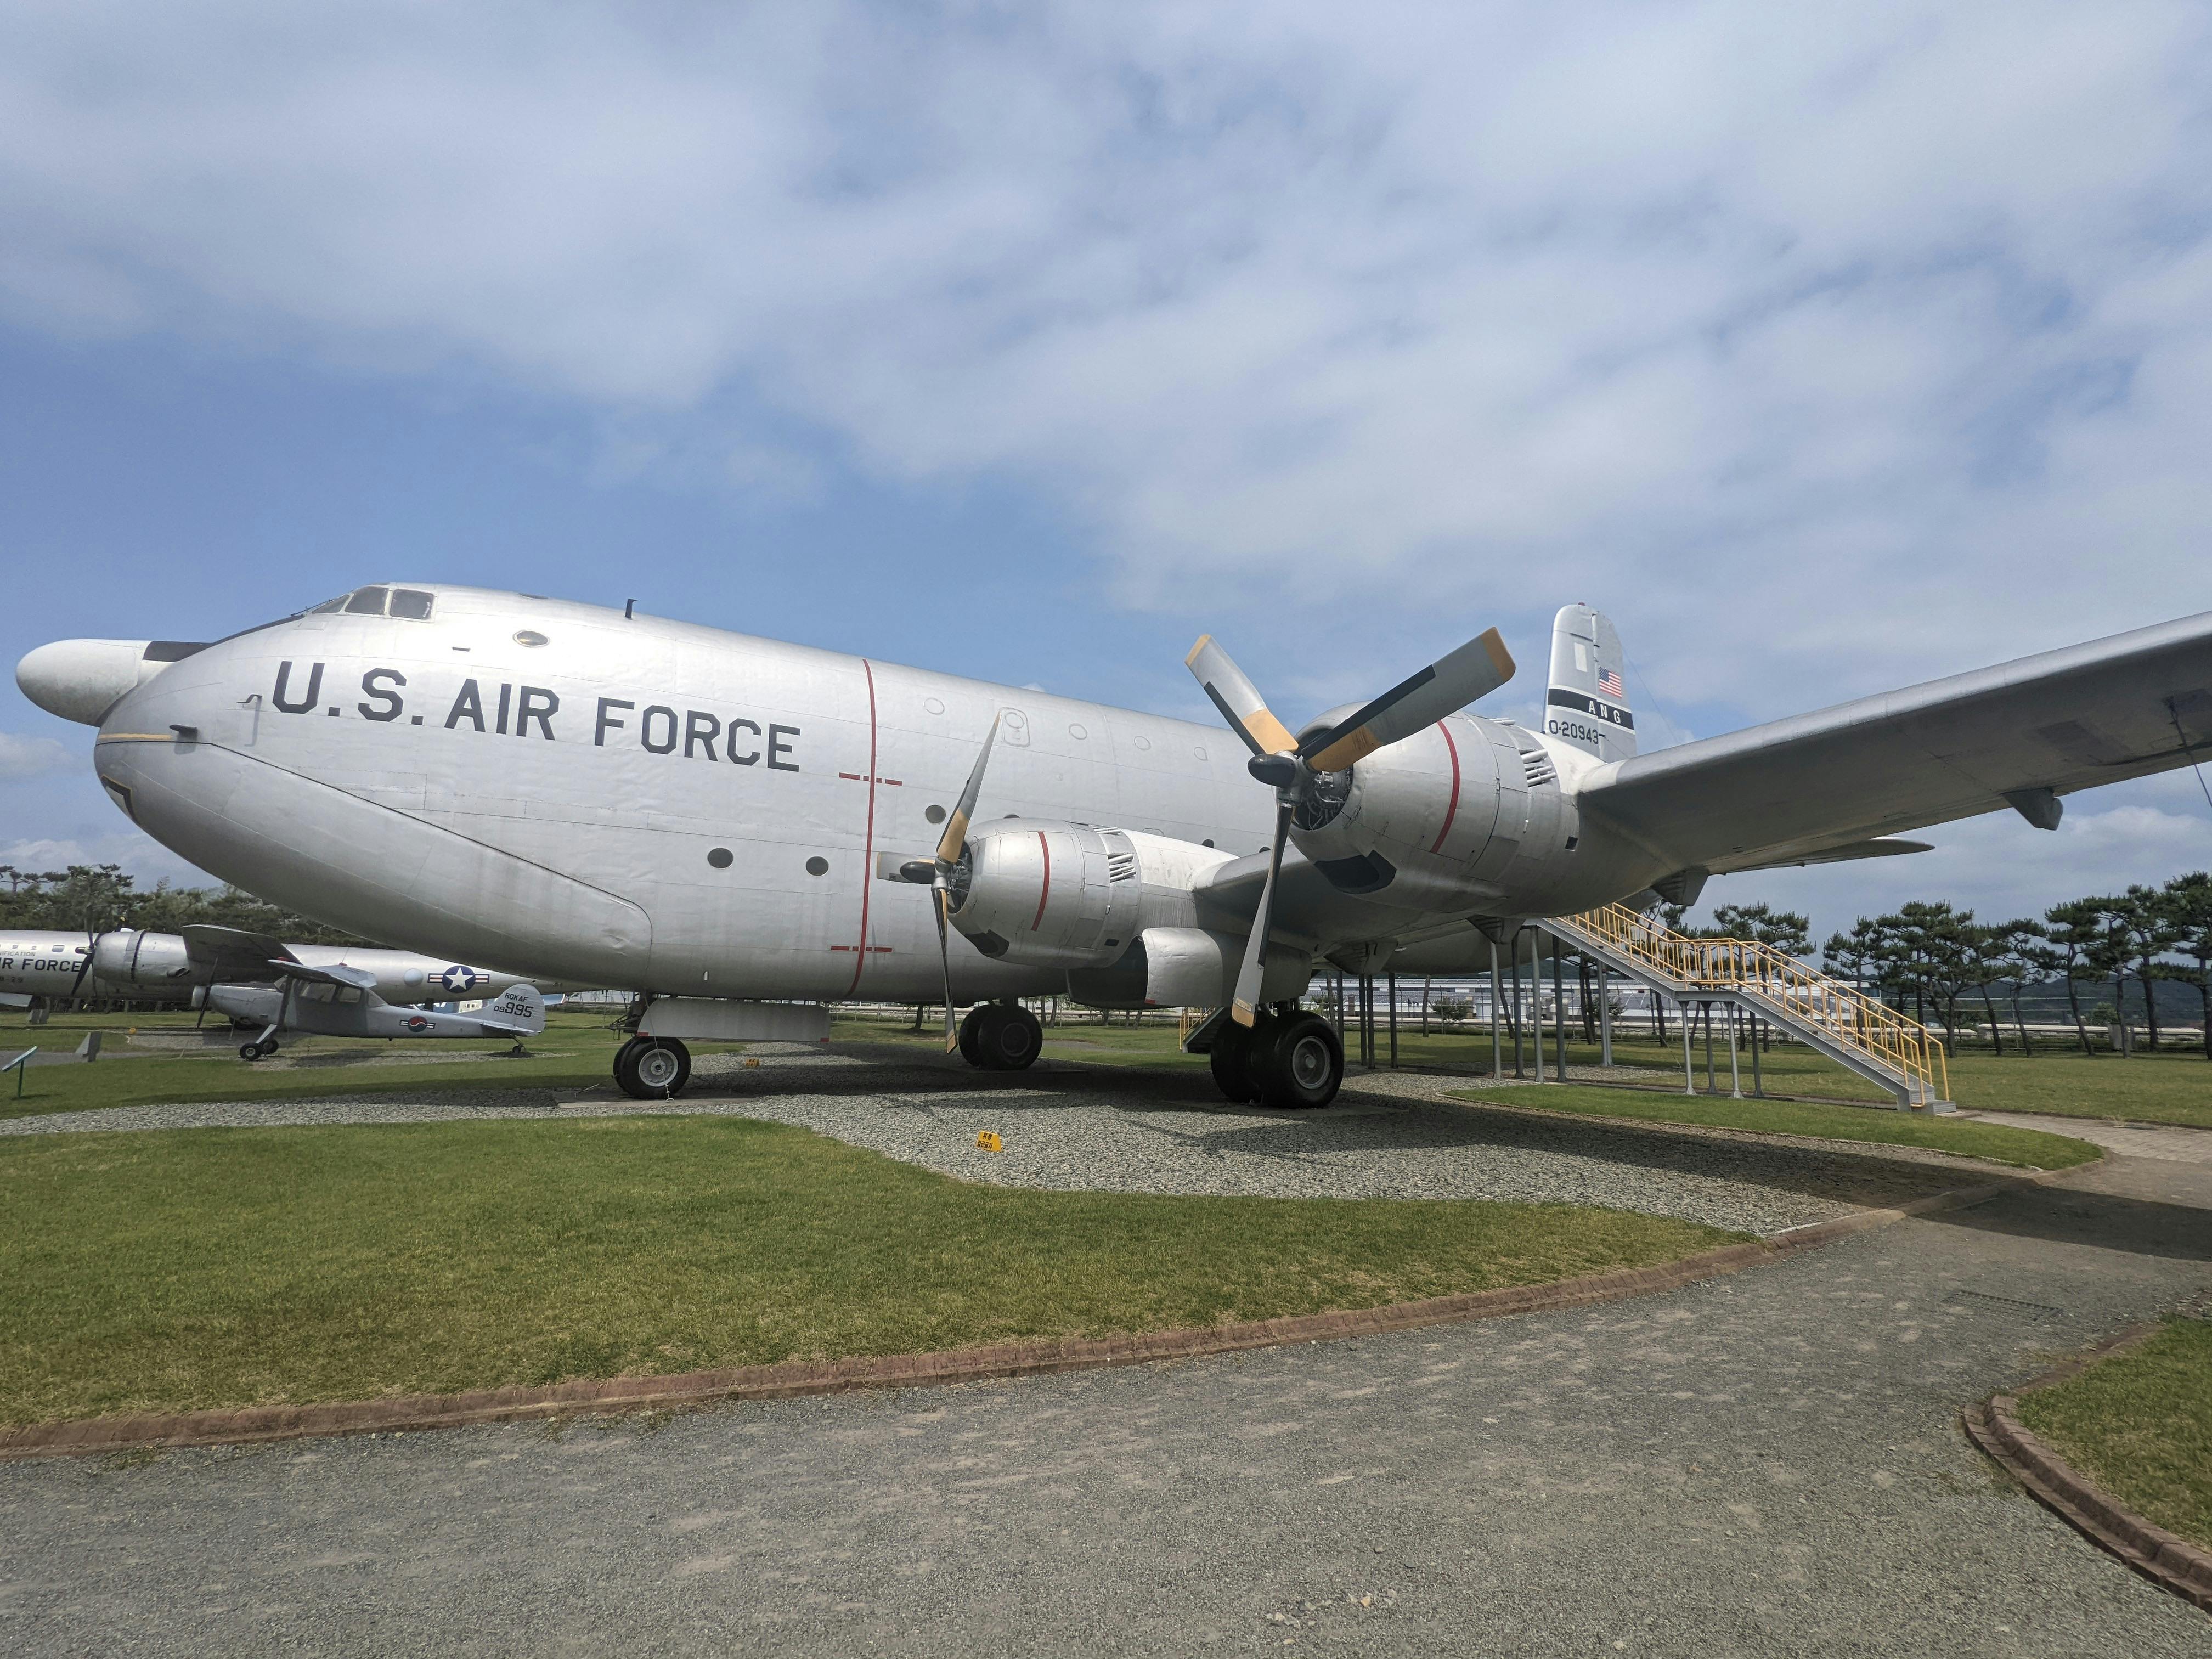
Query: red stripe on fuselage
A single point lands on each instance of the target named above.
(868, 843)
(1047, 894)
(1452, 810)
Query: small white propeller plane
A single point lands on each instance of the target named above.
(746, 832)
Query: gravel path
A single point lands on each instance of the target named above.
(1074, 1127)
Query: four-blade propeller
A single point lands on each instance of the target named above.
(1278, 760)
(949, 844)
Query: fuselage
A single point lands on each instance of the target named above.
(585, 796)
(127, 965)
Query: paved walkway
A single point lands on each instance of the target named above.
(1765, 1464)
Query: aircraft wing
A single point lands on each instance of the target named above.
(336, 973)
(1819, 784)
(234, 955)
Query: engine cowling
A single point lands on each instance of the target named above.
(1038, 892)
(1441, 819)
(151, 960)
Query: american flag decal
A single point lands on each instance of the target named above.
(1608, 683)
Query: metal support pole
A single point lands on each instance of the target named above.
(1711, 1087)
(1519, 1023)
(1735, 1073)
(1758, 1083)
(1392, 982)
(1497, 996)
(1367, 1021)
(1337, 977)
(1604, 1015)
(1559, 1012)
(1689, 1078)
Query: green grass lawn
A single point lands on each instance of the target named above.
(166, 1271)
(2029, 1149)
(576, 1051)
(2141, 1426)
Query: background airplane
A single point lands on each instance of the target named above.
(124, 964)
(745, 831)
(343, 1001)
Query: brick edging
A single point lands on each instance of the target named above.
(2170, 1562)
(1032, 1357)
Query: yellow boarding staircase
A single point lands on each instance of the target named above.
(1855, 1032)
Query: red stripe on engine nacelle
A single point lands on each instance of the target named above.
(1047, 845)
(1452, 810)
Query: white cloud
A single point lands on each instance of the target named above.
(33, 757)
(1828, 350)
(1998, 867)
(137, 854)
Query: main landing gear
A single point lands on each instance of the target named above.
(1000, 1036)
(653, 1068)
(1287, 1061)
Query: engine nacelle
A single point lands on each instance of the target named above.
(1447, 819)
(1039, 893)
(128, 957)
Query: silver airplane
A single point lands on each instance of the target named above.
(343, 1001)
(126, 965)
(746, 832)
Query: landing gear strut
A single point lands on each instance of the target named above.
(1289, 1061)
(653, 1068)
(1000, 1036)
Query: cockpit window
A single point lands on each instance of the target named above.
(367, 602)
(412, 604)
(328, 606)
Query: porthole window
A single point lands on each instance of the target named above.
(817, 866)
(1142, 742)
(1077, 732)
(933, 705)
(720, 857)
(934, 814)
(530, 636)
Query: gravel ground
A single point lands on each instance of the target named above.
(1069, 1128)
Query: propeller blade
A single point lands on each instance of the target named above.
(1246, 1009)
(956, 827)
(1238, 698)
(939, 898)
(1475, 670)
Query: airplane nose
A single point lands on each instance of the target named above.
(81, 680)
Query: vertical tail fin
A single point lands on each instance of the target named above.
(1588, 703)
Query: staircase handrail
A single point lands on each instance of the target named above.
(1745, 965)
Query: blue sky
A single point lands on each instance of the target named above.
(1827, 351)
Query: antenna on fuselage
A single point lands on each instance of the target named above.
(628, 607)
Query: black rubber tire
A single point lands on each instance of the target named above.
(1231, 1057)
(1009, 1038)
(249, 1051)
(653, 1068)
(971, 1033)
(1301, 1066)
